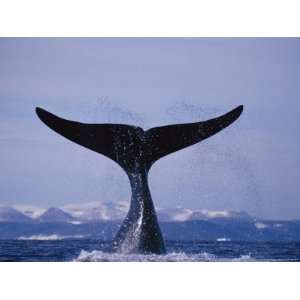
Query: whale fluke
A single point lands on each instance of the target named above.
(171, 138)
(135, 150)
(102, 138)
(125, 144)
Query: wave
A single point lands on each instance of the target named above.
(223, 240)
(100, 256)
(51, 237)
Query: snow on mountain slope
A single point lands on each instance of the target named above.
(30, 210)
(98, 211)
(205, 214)
(10, 214)
(180, 214)
(174, 214)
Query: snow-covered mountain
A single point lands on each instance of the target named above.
(10, 214)
(111, 211)
(105, 211)
(56, 215)
(173, 214)
(97, 211)
(180, 214)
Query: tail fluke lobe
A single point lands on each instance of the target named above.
(115, 141)
(171, 138)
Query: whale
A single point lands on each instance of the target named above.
(135, 150)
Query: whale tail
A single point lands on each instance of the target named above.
(131, 146)
(135, 150)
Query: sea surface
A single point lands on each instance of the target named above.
(177, 251)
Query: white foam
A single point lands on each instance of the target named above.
(75, 222)
(100, 256)
(51, 237)
(41, 237)
(260, 225)
(223, 239)
(246, 257)
(278, 225)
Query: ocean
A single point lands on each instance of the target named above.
(177, 251)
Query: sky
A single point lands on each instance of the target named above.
(252, 166)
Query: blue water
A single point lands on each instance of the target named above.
(93, 250)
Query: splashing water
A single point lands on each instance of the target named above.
(100, 256)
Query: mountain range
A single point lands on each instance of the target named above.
(104, 211)
(101, 220)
